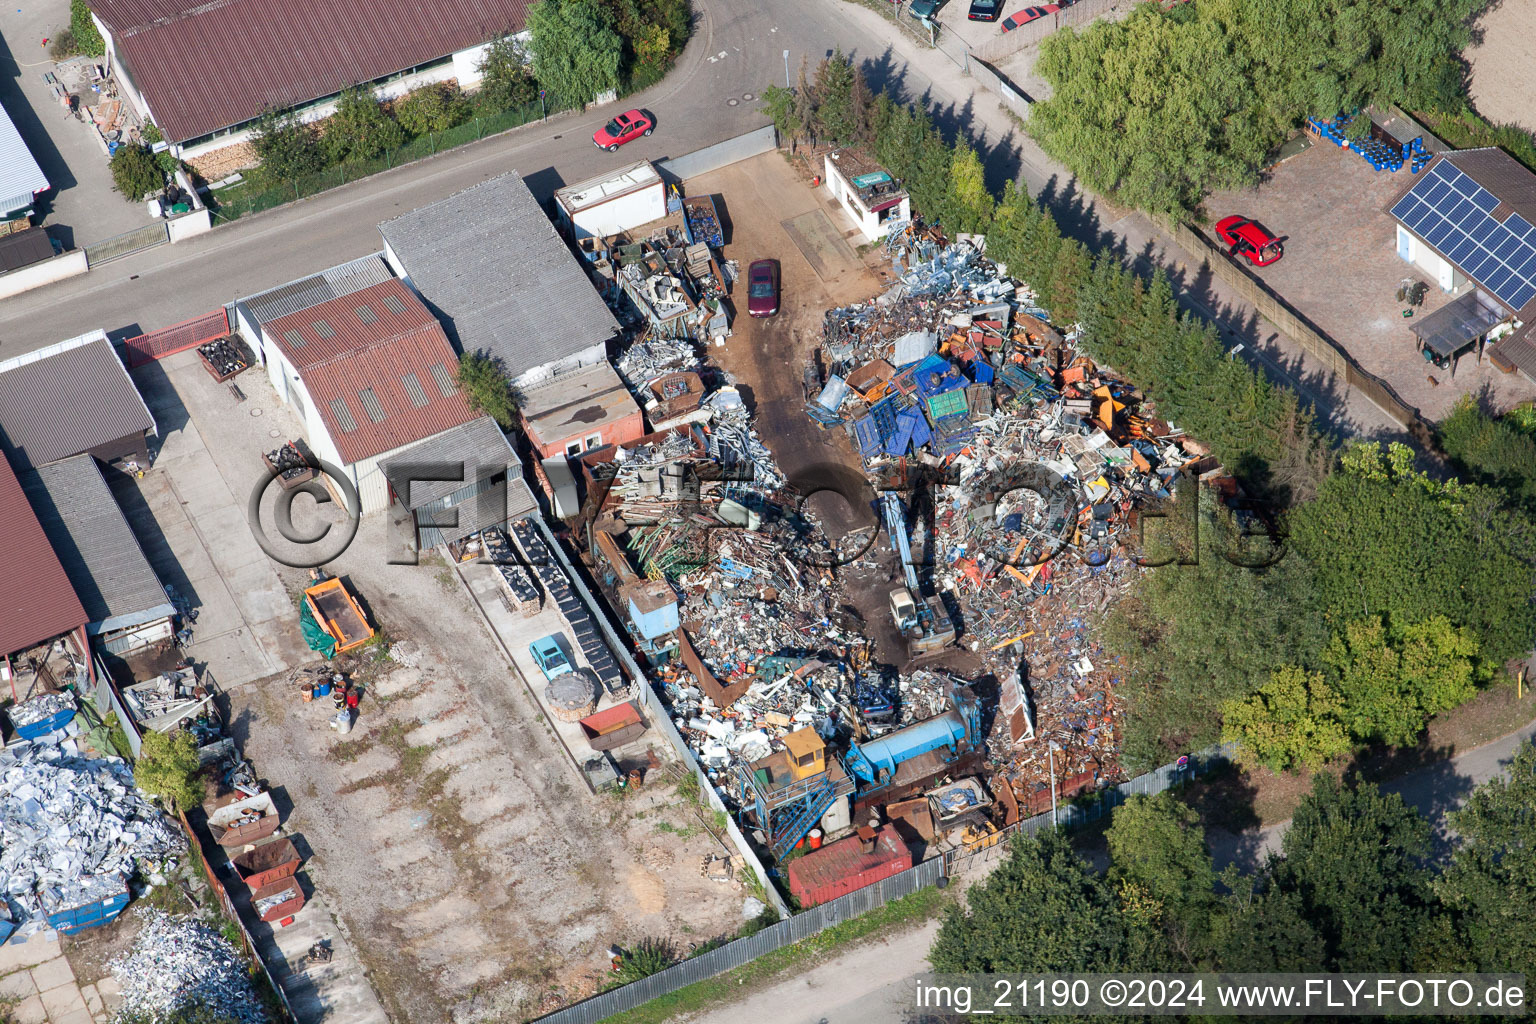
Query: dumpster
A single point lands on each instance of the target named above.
(243, 821)
(338, 614)
(702, 221)
(92, 901)
(613, 727)
(41, 715)
(265, 864)
(278, 900)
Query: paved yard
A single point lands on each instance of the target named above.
(46, 989)
(1341, 271)
(82, 208)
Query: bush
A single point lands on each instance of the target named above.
(434, 108)
(287, 146)
(168, 768)
(136, 173)
(151, 134)
(64, 45)
(485, 385)
(87, 39)
(361, 129)
(506, 77)
(650, 956)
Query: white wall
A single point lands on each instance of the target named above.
(38, 274)
(621, 213)
(597, 353)
(188, 225)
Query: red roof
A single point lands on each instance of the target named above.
(204, 66)
(378, 367)
(841, 867)
(37, 602)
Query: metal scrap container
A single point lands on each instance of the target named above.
(290, 901)
(846, 865)
(69, 920)
(262, 865)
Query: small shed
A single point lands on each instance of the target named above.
(848, 864)
(613, 202)
(576, 412)
(870, 196)
(1455, 329)
(652, 607)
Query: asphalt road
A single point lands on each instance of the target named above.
(875, 983)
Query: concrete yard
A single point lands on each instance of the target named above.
(462, 854)
(1341, 271)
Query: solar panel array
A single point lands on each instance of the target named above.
(1452, 212)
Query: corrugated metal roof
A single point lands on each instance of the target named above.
(356, 370)
(329, 329)
(95, 545)
(483, 449)
(36, 603)
(205, 66)
(490, 260)
(20, 177)
(309, 291)
(24, 248)
(66, 399)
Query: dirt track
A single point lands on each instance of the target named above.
(1502, 87)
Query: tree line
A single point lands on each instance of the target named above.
(1353, 889)
(1391, 597)
(1159, 108)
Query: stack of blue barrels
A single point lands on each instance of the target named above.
(1414, 153)
(1380, 155)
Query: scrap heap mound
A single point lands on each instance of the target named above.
(958, 375)
(73, 828)
(176, 964)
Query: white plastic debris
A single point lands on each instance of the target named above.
(177, 963)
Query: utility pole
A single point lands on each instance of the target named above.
(786, 70)
(1050, 753)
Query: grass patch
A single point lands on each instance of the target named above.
(347, 751)
(1466, 130)
(682, 832)
(921, 906)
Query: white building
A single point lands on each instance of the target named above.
(205, 72)
(611, 203)
(871, 198)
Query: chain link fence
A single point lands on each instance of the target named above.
(264, 195)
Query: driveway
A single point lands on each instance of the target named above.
(81, 208)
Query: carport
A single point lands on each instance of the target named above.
(1452, 330)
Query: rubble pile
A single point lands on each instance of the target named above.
(178, 963)
(70, 825)
(957, 375)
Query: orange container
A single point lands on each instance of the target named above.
(815, 838)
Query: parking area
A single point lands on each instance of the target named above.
(82, 208)
(1341, 271)
(454, 840)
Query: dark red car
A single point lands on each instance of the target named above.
(1028, 15)
(1249, 239)
(763, 288)
(625, 128)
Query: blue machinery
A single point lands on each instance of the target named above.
(875, 763)
(923, 622)
(787, 814)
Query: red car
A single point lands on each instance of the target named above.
(763, 288)
(1243, 236)
(625, 128)
(1028, 15)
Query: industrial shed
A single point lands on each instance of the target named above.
(492, 266)
(20, 177)
(37, 603)
(491, 492)
(577, 412)
(70, 399)
(124, 601)
(613, 202)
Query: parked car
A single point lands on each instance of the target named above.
(985, 10)
(1250, 240)
(626, 127)
(1030, 14)
(763, 288)
(548, 655)
(925, 10)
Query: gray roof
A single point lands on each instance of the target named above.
(66, 399)
(20, 176)
(310, 291)
(1455, 325)
(93, 541)
(483, 449)
(491, 264)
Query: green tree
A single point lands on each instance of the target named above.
(1157, 849)
(168, 768)
(1266, 930)
(433, 108)
(837, 120)
(288, 147)
(136, 173)
(1492, 451)
(1292, 721)
(1490, 884)
(968, 206)
(485, 385)
(87, 36)
(361, 128)
(1043, 909)
(1392, 681)
(1354, 857)
(576, 52)
(506, 77)
(782, 107)
(151, 134)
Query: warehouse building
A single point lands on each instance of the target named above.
(206, 72)
(70, 399)
(491, 265)
(21, 180)
(1469, 222)
(37, 604)
(124, 601)
(490, 492)
(578, 412)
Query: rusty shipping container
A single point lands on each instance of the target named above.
(265, 864)
(848, 864)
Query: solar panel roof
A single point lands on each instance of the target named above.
(1451, 212)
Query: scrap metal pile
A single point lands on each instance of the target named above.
(956, 375)
(178, 964)
(677, 287)
(72, 828)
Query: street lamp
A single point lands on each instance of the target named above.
(786, 69)
(1050, 753)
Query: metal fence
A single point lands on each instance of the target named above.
(127, 243)
(1082, 12)
(167, 341)
(745, 950)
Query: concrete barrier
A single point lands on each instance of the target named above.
(70, 264)
(722, 154)
(1012, 99)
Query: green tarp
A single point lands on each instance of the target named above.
(317, 638)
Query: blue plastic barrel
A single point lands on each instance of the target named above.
(323, 690)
